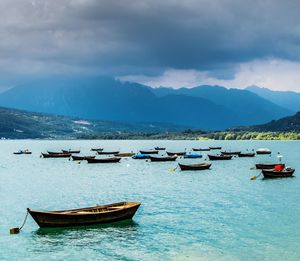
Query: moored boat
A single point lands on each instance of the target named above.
(268, 165)
(201, 149)
(82, 157)
(199, 166)
(168, 158)
(149, 151)
(230, 152)
(56, 155)
(263, 151)
(271, 174)
(104, 160)
(85, 216)
(22, 152)
(246, 154)
(176, 153)
(95, 149)
(107, 152)
(192, 156)
(215, 148)
(141, 156)
(54, 152)
(71, 151)
(159, 148)
(124, 154)
(220, 157)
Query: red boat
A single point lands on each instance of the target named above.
(285, 173)
(268, 165)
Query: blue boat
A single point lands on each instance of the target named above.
(141, 156)
(192, 156)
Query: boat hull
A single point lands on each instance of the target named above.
(84, 217)
(107, 160)
(176, 153)
(268, 166)
(161, 159)
(82, 157)
(194, 166)
(149, 152)
(273, 174)
(61, 155)
(222, 157)
(246, 155)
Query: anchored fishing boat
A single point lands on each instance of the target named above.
(105, 160)
(263, 151)
(192, 156)
(230, 152)
(200, 166)
(56, 155)
(201, 149)
(107, 152)
(268, 165)
(220, 157)
(246, 155)
(215, 148)
(159, 148)
(176, 153)
(141, 156)
(271, 174)
(85, 216)
(82, 157)
(149, 151)
(168, 158)
(124, 154)
(71, 151)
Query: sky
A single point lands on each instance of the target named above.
(158, 43)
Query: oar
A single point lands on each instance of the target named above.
(16, 230)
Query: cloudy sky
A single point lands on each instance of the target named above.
(171, 43)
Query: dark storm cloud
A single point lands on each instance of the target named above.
(139, 36)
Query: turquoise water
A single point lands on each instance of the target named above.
(217, 214)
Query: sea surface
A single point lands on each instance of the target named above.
(216, 214)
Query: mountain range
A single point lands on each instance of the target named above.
(18, 124)
(286, 99)
(107, 99)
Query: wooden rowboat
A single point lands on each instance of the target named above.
(71, 151)
(176, 153)
(85, 216)
(247, 154)
(215, 148)
(230, 152)
(201, 149)
(106, 160)
(220, 157)
(95, 149)
(271, 174)
(200, 166)
(141, 156)
(82, 157)
(263, 151)
(107, 152)
(124, 154)
(54, 152)
(160, 159)
(149, 151)
(192, 156)
(60, 155)
(268, 165)
(159, 148)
